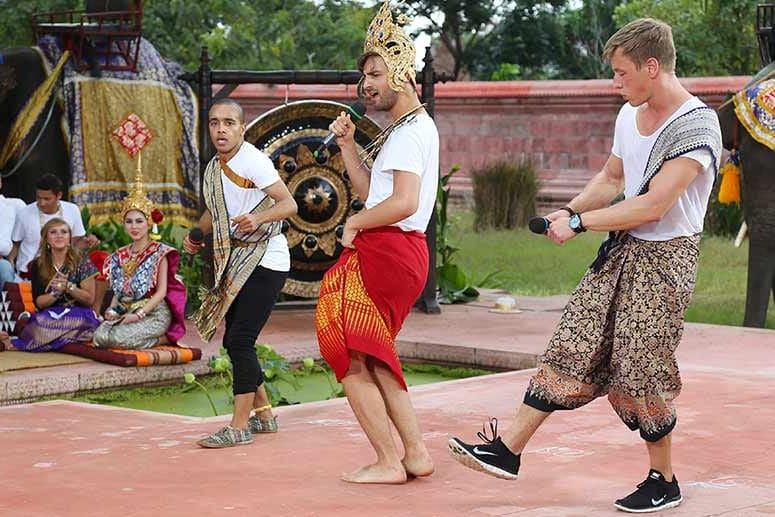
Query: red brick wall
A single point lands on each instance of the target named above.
(566, 127)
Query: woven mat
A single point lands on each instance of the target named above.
(22, 360)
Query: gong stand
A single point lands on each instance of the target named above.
(205, 77)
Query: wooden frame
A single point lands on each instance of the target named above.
(110, 39)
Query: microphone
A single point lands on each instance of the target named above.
(196, 236)
(539, 225)
(357, 110)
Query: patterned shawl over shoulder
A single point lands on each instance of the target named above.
(234, 259)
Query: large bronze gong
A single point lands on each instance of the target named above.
(290, 134)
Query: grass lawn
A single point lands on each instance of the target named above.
(534, 266)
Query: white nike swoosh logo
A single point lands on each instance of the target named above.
(656, 502)
(477, 451)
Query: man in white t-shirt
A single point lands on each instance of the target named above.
(246, 201)
(9, 206)
(623, 323)
(361, 308)
(31, 218)
(7, 221)
(15, 202)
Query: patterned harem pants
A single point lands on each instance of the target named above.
(618, 336)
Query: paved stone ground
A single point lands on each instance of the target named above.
(463, 334)
(69, 459)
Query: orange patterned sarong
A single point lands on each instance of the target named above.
(366, 296)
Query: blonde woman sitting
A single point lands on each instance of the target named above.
(63, 291)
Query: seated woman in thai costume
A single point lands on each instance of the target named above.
(149, 300)
(63, 291)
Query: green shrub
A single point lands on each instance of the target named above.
(454, 284)
(504, 194)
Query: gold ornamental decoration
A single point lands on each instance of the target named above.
(387, 39)
(136, 199)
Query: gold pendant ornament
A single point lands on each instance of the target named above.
(129, 267)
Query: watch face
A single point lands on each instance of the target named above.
(574, 222)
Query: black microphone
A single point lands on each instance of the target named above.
(196, 236)
(357, 110)
(539, 225)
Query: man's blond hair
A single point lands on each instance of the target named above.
(642, 39)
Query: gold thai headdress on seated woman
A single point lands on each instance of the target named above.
(386, 39)
(136, 199)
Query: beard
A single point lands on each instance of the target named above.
(386, 100)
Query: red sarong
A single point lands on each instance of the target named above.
(366, 296)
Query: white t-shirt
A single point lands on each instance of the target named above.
(413, 147)
(15, 202)
(254, 165)
(7, 222)
(30, 220)
(686, 216)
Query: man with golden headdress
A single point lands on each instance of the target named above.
(361, 310)
(246, 202)
(148, 298)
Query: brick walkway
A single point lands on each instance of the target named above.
(69, 459)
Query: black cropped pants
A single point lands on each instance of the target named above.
(244, 320)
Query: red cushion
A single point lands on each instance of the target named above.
(158, 355)
(98, 258)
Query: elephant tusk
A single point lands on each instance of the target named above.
(741, 234)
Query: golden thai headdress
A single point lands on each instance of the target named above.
(136, 199)
(386, 38)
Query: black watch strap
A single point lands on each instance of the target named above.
(568, 209)
(581, 223)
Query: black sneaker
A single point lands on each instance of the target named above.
(491, 457)
(653, 494)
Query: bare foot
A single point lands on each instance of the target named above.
(418, 467)
(377, 473)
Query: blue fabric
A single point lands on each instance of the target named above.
(7, 274)
(52, 328)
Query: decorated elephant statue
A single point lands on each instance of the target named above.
(43, 148)
(748, 127)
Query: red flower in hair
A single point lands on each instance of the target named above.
(157, 216)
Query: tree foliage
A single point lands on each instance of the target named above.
(247, 34)
(457, 23)
(15, 26)
(586, 30)
(564, 39)
(712, 37)
(528, 35)
(491, 39)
